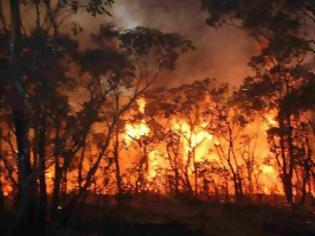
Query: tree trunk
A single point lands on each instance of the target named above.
(1, 197)
(227, 195)
(117, 164)
(65, 185)
(27, 183)
(287, 185)
(42, 168)
(1, 184)
(195, 174)
(287, 166)
(303, 197)
(80, 168)
(56, 190)
(250, 179)
(58, 175)
(175, 167)
(176, 180)
(189, 188)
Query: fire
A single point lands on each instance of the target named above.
(154, 164)
(268, 178)
(270, 120)
(141, 104)
(194, 138)
(136, 131)
(200, 137)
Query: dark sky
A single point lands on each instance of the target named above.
(222, 54)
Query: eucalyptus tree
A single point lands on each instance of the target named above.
(282, 71)
(15, 75)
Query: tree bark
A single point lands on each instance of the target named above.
(117, 164)
(58, 174)
(42, 169)
(27, 184)
(80, 168)
(1, 197)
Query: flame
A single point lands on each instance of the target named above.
(141, 104)
(136, 131)
(270, 120)
(268, 178)
(196, 138)
(193, 139)
(154, 163)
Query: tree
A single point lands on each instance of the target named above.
(281, 68)
(16, 95)
(179, 114)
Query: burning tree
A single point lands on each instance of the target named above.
(41, 84)
(281, 70)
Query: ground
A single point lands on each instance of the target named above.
(158, 216)
(163, 216)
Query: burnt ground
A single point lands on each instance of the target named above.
(188, 218)
(120, 228)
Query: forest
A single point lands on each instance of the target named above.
(96, 138)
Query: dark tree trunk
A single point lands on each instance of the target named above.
(65, 185)
(80, 168)
(303, 197)
(287, 185)
(58, 175)
(27, 183)
(117, 164)
(287, 165)
(237, 184)
(42, 168)
(227, 195)
(249, 168)
(174, 163)
(1, 185)
(195, 173)
(188, 186)
(176, 180)
(143, 168)
(307, 166)
(1, 197)
(292, 160)
(56, 190)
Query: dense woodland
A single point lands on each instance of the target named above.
(89, 120)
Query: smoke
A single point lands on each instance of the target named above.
(220, 53)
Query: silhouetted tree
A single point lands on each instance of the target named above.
(281, 68)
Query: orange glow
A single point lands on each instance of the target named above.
(141, 104)
(198, 140)
(195, 138)
(135, 131)
(270, 120)
(194, 141)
